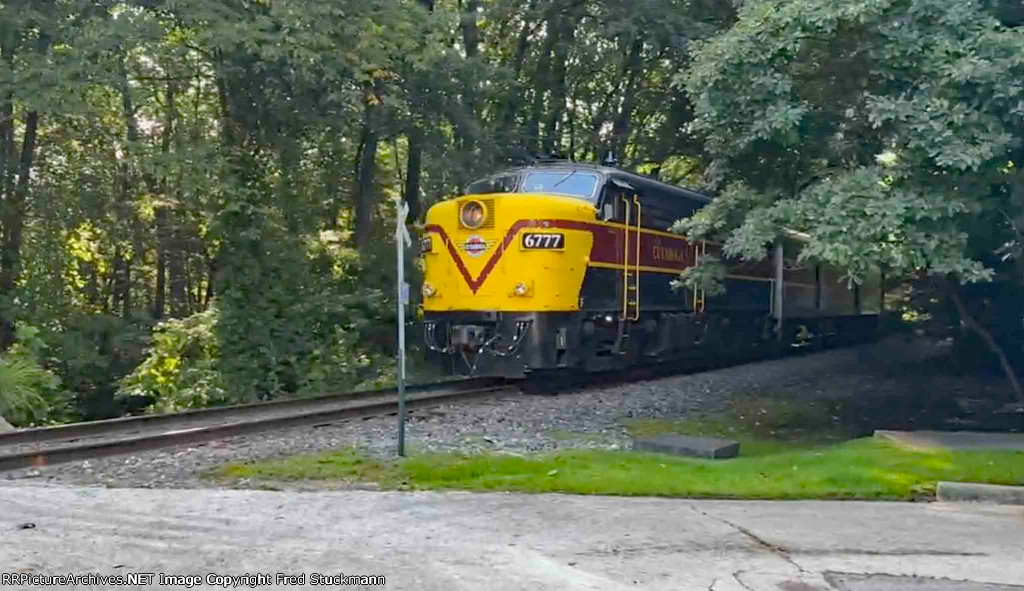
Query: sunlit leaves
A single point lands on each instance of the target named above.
(804, 99)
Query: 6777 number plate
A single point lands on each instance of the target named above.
(543, 241)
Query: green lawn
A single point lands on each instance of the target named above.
(788, 451)
(864, 469)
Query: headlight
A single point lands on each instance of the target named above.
(473, 215)
(429, 290)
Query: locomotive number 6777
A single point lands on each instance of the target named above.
(539, 241)
(568, 266)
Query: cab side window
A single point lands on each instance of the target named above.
(613, 204)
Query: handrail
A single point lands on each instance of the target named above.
(639, 233)
(625, 261)
(699, 296)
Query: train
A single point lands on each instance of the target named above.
(560, 266)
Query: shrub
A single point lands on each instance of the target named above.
(179, 370)
(29, 393)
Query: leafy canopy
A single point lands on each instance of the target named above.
(880, 128)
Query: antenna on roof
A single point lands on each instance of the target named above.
(610, 159)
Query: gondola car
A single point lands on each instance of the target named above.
(567, 266)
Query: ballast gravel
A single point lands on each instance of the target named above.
(595, 418)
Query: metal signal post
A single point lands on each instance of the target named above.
(402, 241)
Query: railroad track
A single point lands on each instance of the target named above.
(29, 448)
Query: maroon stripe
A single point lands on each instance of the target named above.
(666, 252)
(453, 251)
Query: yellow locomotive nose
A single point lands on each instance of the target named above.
(506, 252)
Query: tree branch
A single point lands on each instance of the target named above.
(969, 322)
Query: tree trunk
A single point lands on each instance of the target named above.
(160, 298)
(412, 175)
(464, 119)
(191, 297)
(541, 82)
(13, 223)
(523, 42)
(365, 197)
(126, 294)
(115, 284)
(7, 148)
(334, 193)
(558, 90)
(92, 283)
(621, 128)
(971, 323)
(512, 100)
(6, 144)
(211, 283)
(176, 273)
(163, 231)
(471, 29)
(122, 289)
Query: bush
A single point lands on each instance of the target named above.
(91, 354)
(179, 370)
(29, 393)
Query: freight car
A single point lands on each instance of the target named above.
(568, 266)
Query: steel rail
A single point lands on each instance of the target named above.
(108, 427)
(365, 406)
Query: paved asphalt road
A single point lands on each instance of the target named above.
(460, 541)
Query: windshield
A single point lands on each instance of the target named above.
(578, 184)
(499, 184)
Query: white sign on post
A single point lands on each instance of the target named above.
(402, 241)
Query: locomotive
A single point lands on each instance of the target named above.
(561, 266)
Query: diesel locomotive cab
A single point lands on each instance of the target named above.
(503, 266)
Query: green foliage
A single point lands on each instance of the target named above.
(91, 353)
(889, 132)
(187, 367)
(179, 370)
(29, 393)
(870, 126)
(22, 387)
(707, 275)
(283, 328)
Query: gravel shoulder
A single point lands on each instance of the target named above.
(523, 424)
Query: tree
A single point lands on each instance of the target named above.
(232, 164)
(889, 132)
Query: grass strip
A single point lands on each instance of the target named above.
(860, 469)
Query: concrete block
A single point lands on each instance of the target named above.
(980, 493)
(5, 426)
(686, 445)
